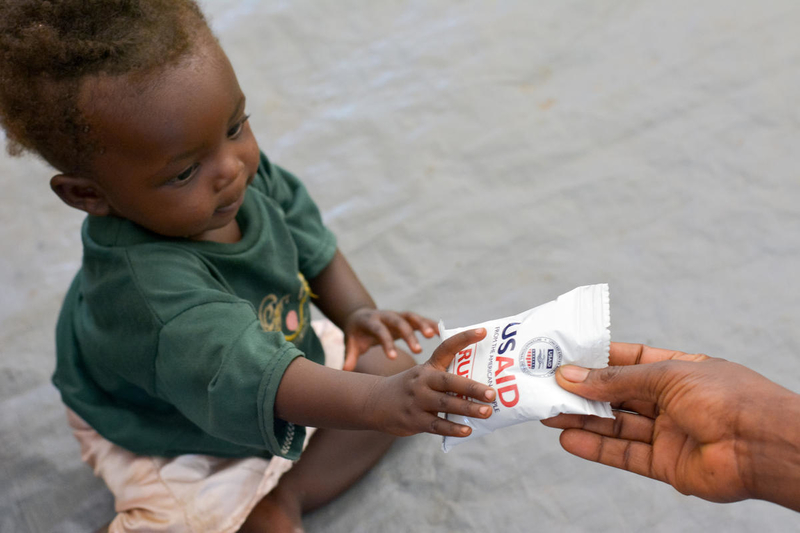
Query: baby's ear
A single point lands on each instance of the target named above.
(81, 193)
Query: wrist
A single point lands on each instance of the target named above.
(371, 404)
(356, 310)
(337, 400)
(770, 458)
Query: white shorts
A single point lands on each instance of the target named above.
(188, 493)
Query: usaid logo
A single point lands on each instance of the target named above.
(540, 357)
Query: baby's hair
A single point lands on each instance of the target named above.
(48, 47)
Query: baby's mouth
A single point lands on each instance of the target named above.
(230, 207)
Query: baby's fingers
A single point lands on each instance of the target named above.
(461, 386)
(350, 356)
(454, 405)
(446, 428)
(428, 327)
(402, 329)
(384, 337)
(445, 352)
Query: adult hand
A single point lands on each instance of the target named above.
(706, 426)
(409, 402)
(367, 327)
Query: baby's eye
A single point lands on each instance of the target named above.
(187, 174)
(235, 131)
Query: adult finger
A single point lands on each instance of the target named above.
(447, 350)
(636, 457)
(648, 409)
(623, 383)
(625, 354)
(626, 426)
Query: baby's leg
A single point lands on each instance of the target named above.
(333, 461)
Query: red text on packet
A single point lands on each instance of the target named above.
(464, 361)
(508, 394)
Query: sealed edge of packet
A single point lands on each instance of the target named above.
(520, 354)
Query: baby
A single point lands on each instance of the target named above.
(185, 353)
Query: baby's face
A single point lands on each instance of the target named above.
(177, 152)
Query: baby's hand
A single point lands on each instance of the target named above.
(409, 402)
(367, 327)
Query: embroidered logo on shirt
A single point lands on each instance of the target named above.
(272, 317)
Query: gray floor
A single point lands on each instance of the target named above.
(476, 159)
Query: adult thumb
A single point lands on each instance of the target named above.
(644, 382)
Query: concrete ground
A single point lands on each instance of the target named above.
(476, 159)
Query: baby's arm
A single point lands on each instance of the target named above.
(403, 404)
(344, 300)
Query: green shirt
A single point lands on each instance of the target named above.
(170, 346)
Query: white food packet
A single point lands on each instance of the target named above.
(520, 354)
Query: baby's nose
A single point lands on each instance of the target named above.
(229, 169)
